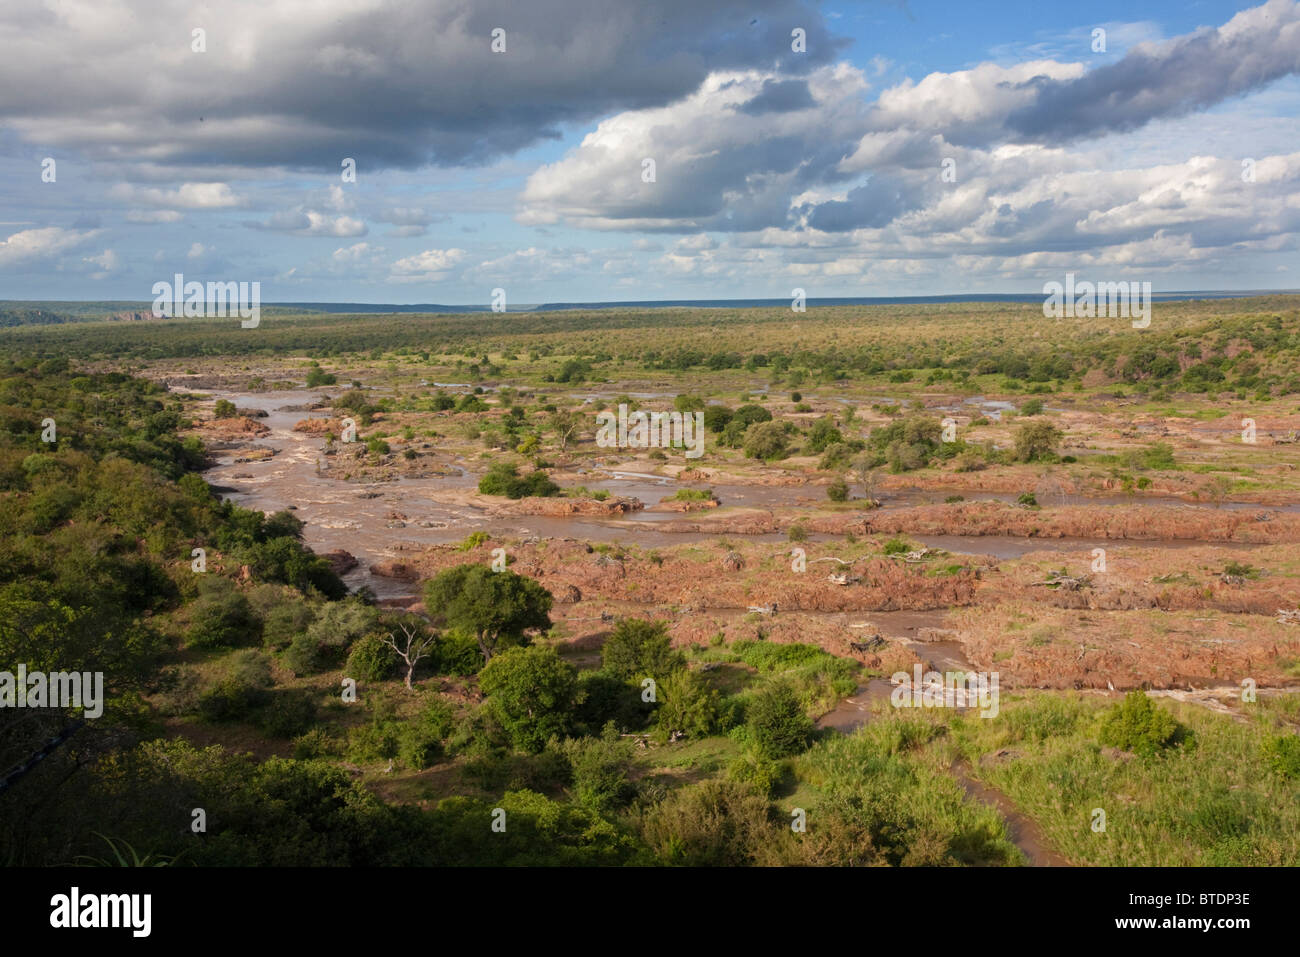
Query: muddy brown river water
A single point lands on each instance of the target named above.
(360, 518)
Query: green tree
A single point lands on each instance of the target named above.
(638, 648)
(497, 608)
(766, 440)
(777, 722)
(531, 693)
(1037, 442)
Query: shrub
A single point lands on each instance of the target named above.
(838, 491)
(504, 479)
(221, 618)
(243, 686)
(224, 409)
(1283, 755)
(531, 693)
(638, 648)
(457, 654)
(777, 723)
(757, 772)
(766, 440)
(897, 546)
(600, 768)
(714, 823)
(688, 705)
(371, 659)
(421, 740)
(1137, 724)
(1037, 442)
(289, 714)
(716, 417)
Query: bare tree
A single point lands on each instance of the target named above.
(566, 424)
(861, 469)
(415, 647)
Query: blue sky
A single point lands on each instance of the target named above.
(1169, 157)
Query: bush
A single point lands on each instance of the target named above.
(242, 687)
(224, 409)
(284, 621)
(531, 693)
(750, 413)
(1137, 724)
(421, 740)
(687, 705)
(766, 441)
(1037, 442)
(716, 417)
(638, 648)
(457, 653)
(289, 714)
(316, 743)
(221, 618)
(777, 723)
(897, 546)
(371, 659)
(1283, 755)
(757, 772)
(503, 479)
(838, 491)
(600, 768)
(714, 823)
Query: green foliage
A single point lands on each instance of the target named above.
(1137, 724)
(838, 491)
(710, 824)
(600, 769)
(638, 648)
(897, 546)
(687, 705)
(421, 741)
(242, 686)
(1037, 442)
(716, 417)
(532, 693)
(504, 479)
(1282, 753)
(910, 442)
(767, 441)
(371, 659)
(777, 723)
(823, 434)
(224, 409)
(221, 617)
(497, 608)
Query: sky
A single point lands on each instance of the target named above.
(600, 150)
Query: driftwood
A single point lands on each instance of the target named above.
(843, 578)
(1067, 582)
(763, 609)
(869, 645)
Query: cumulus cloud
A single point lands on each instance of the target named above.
(185, 196)
(838, 183)
(33, 245)
(392, 84)
(432, 265)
